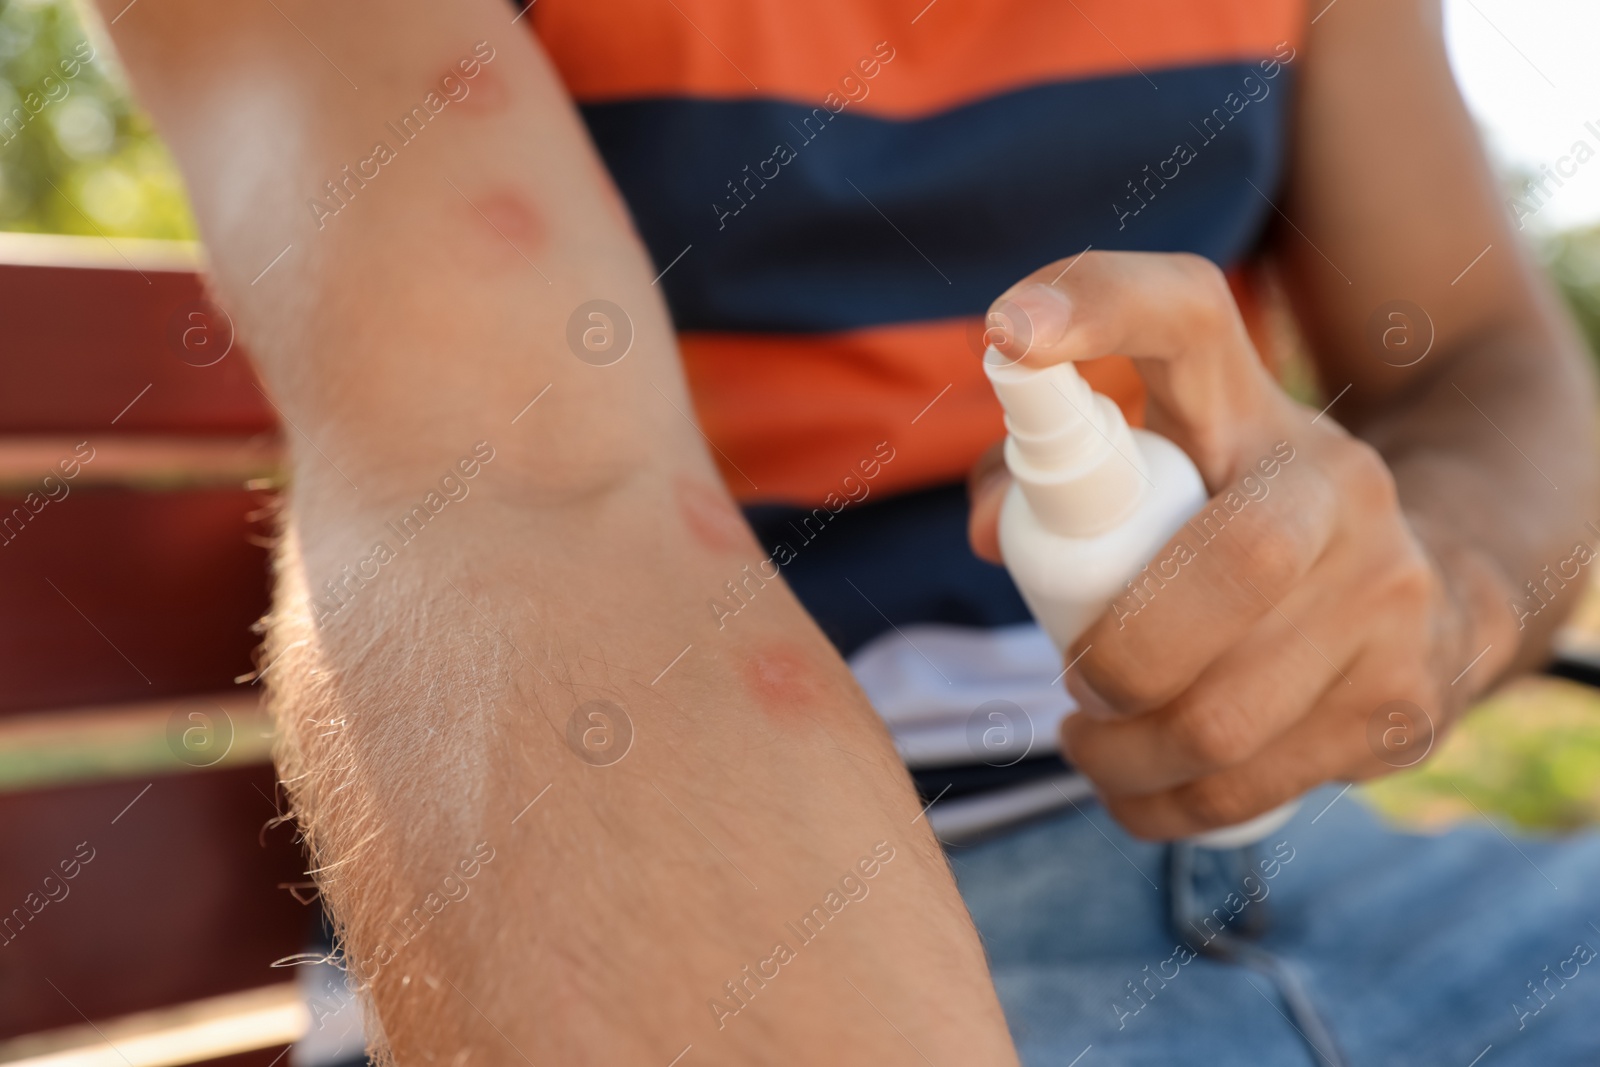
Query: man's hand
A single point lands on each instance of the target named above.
(1251, 660)
(1261, 666)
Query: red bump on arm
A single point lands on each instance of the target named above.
(784, 682)
(512, 215)
(487, 93)
(509, 231)
(712, 520)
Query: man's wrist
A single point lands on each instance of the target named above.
(1477, 637)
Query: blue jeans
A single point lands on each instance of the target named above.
(1414, 949)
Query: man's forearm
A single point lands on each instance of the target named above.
(1492, 457)
(561, 810)
(669, 805)
(1437, 337)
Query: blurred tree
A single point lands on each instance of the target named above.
(1573, 259)
(75, 156)
(1529, 753)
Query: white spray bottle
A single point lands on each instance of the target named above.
(1091, 503)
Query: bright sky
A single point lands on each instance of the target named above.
(1528, 71)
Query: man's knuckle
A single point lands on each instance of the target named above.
(1219, 801)
(1366, 478)
(1411, 587)
(1082, 743)
(1209, 299)
(1212, 736)
(1122, 682)
(1101, 658)
(1271, 555)
(1201, 273)
(1399, 674)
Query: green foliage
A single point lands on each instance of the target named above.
(1573, 259)
(75, 155)
(1529, 754)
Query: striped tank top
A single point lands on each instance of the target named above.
(836, 192)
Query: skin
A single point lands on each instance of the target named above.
(432, 713)
(1387, 554)
(782, 679)
(708, 514)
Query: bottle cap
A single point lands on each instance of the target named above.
(1069, 448)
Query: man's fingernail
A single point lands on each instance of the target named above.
(1089, 701)
(1035, 316)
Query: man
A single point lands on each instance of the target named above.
(585, 783)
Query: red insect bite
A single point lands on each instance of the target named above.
(487, 93)
(713, 522)
(511, 217)
(783, 680)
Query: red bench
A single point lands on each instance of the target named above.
(137, 459)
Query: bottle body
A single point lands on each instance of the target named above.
(1093, 502)
(1067, 582)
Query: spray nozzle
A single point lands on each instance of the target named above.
(1039, 401)
(1069, 448)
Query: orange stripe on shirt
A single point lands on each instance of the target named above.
(957, 51)
(792, 415)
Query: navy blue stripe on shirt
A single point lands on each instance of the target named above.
(866, 221)
(890, 562)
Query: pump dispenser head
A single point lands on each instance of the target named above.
(1068, 447)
